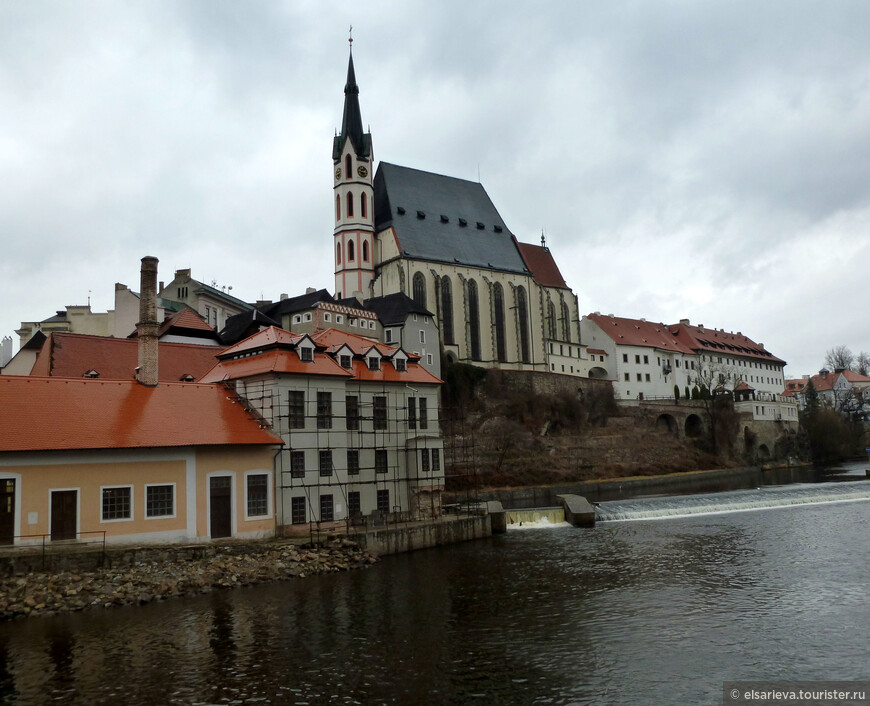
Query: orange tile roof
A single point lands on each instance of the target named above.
(42, 414)
(273, 361)
(634, 332)
(543, 267)
(185, 319)
(71, 355)
(701, 338)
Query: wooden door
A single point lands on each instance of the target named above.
(7, 511)
(63, 514)
(220, 506)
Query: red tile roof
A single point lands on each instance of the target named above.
(71, 355)
(543, 267)
(42, 414)
(185, 319)
(701, 338)
(635, 332)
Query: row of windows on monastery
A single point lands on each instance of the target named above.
(430, 462)
(417, 411)
(339, 319)
(299, 506)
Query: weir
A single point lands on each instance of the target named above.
(537, 516)
(733, 501)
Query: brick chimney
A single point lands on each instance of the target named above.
(146, 329)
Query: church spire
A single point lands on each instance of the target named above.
(351, 121)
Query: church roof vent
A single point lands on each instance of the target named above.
(421, 215)
(480, 226)
(400, 210)
(463, 222)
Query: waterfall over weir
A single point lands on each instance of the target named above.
(733, 501)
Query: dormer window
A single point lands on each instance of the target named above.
(345, 361)
(401, 365)
(187, 378)
(306, 354)
(374, 363)
(91, 374)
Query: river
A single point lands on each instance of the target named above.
(634, 611)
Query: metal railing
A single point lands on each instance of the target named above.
(46, 545)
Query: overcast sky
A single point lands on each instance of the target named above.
(686, 159)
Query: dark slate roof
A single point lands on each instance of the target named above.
(443, 219)
(291, 305)
(395, 308)
(246, 323)
(57, 318)
(35, 342)
(351, 121)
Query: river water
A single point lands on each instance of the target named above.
(659, 610)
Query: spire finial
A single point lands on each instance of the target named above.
(350, 37)
(543, 239)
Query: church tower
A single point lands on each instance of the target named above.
(353, 164)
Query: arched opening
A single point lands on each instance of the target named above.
(473, 320)
(337, 207)
(338, 253)
(349, 208)
(498, 306)
(363, 206)
(598, 373)
(447, 310)
(566, 322)
(523, 324)
(694, 426)
(666, 423)
(763, 453)
(350, 251)
(347, 167)
(551, 320)
(365, 249)
(418, 287)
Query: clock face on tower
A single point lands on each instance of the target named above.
(338, 173)
(362, 171)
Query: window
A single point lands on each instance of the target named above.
(353, 462)
(422, 336)
(473, 320)
(354, 507)
(348, 171)
(339, 319)
(647, 377)
(419, 289)
(363, 208)
(429, 359)
(380, 460)
(257, 494)
(551, 320)
(379, 412)
(307, 317)
(350, 250)
(365, 250)
(627, 377)
(327, 317)
(388, 335)
(523, 323)
(646, 360)
(436, 459)
(345, 361)
(326, 462)
(159, 500)
(306, 354)
(297, 464)
(351, 411)
(498, 306)
(324, 410)
(118, 503)
(625, 357)
(326, 508)
(384, 501)
(296, 413)
(349, 206)
(446, 310)
(338, 253)
(297, 511)
(424, 460)
(297, 319)
(412, 413)
(566, 322)
(639, 377)
(637, 359)
(424, 414)
(401, 365)
(338, 210)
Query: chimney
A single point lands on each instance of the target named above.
(146, 329)
(310, 290)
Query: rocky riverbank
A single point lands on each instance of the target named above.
(146, 581)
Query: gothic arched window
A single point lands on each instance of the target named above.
(566, 322)
(349, 204)
(338, 253)
(447, 310)
(473, 320)
(363, 206)
(350, 251)
(551, 320)
(523, 324)
(498, 306)
(365, 250)
(347, 167)
(337, 207)
(419, 289)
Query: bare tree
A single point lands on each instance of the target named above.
(862, 363)
(839, 358)
(716, 383)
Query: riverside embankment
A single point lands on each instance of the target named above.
(171, 572)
